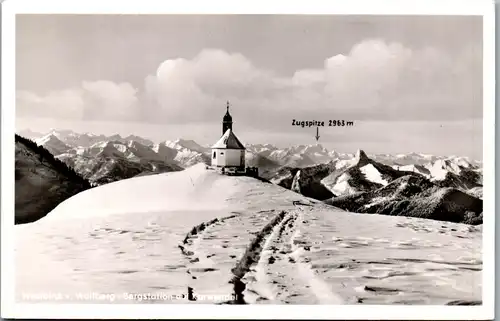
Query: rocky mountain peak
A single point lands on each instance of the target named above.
(361, 159)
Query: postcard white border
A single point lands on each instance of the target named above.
(10, 309)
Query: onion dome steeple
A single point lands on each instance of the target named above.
(227, 121)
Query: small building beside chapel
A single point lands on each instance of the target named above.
(228, 152)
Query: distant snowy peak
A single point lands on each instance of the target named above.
(294, 156)
(316, 148)
(115, 137)
(52, 144)
(184, 152)
(181, 144)
(440, 168)
(258, 148)
(61, 134)
(46, 139)
(143, 141)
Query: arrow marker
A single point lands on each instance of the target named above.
(317, 133)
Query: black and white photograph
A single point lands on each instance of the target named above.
(250, 159)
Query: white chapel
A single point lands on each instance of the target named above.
(228, 152)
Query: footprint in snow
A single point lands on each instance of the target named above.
(381, 290)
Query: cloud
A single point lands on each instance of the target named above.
(58, 104)
(380, 81)
(375, 80)
(108, 100)
(98, 100)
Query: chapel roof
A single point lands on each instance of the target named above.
(228, 141)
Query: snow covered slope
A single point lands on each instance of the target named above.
(237, 239)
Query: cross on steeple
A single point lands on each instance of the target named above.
(227, 106)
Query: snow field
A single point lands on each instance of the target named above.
(401, 261)
(373, 175)
(144, 236)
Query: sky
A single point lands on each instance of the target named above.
(409, 83)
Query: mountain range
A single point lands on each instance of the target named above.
(355, 182)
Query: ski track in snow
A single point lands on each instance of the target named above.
(281, 275)
(299, 265)
(312, 253)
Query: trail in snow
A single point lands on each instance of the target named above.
(207, 263)
(214, 252)
(282, 274)
(307, 256)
